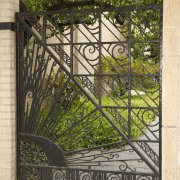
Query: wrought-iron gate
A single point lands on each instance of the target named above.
(89, 94)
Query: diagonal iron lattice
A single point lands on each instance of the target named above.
(89, 94)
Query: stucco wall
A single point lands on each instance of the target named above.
(171, 91)
(84, 35)
(7, 92)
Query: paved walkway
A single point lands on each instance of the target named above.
(116, 159)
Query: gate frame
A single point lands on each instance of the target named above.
(18, 106)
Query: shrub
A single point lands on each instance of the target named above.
(68, 121)
(94, 130)
(144, 74)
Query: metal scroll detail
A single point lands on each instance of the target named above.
(89, 94)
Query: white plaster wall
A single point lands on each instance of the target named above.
(109, 34)
(171, 91)
(7, 92)
(87, 55)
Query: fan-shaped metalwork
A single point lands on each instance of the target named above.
(89, 94)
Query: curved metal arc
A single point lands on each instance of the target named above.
(54, 154)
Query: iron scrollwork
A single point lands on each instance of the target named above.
(89, 94)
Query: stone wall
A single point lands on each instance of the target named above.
(171, 91)
(7, 92)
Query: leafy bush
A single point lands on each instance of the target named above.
(144, 74)
(94, 130)
(70, 127)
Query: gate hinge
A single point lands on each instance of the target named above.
(8, 26)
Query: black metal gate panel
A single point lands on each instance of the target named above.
(89, 94)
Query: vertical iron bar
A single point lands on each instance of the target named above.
(160, 94)
(17, 97)
(71, 44)
(129, 74)
(21, 76)
(44, 28)
(100, 60)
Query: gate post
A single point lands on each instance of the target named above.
(171, 91)
(7, 90)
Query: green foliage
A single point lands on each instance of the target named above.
(40, 5)
(91, 131)
(138, 68)
(145, 25)
(120, 65)
(34, 5)
(99, 131)
(128, 2)
(94, 130)
(142, 67)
